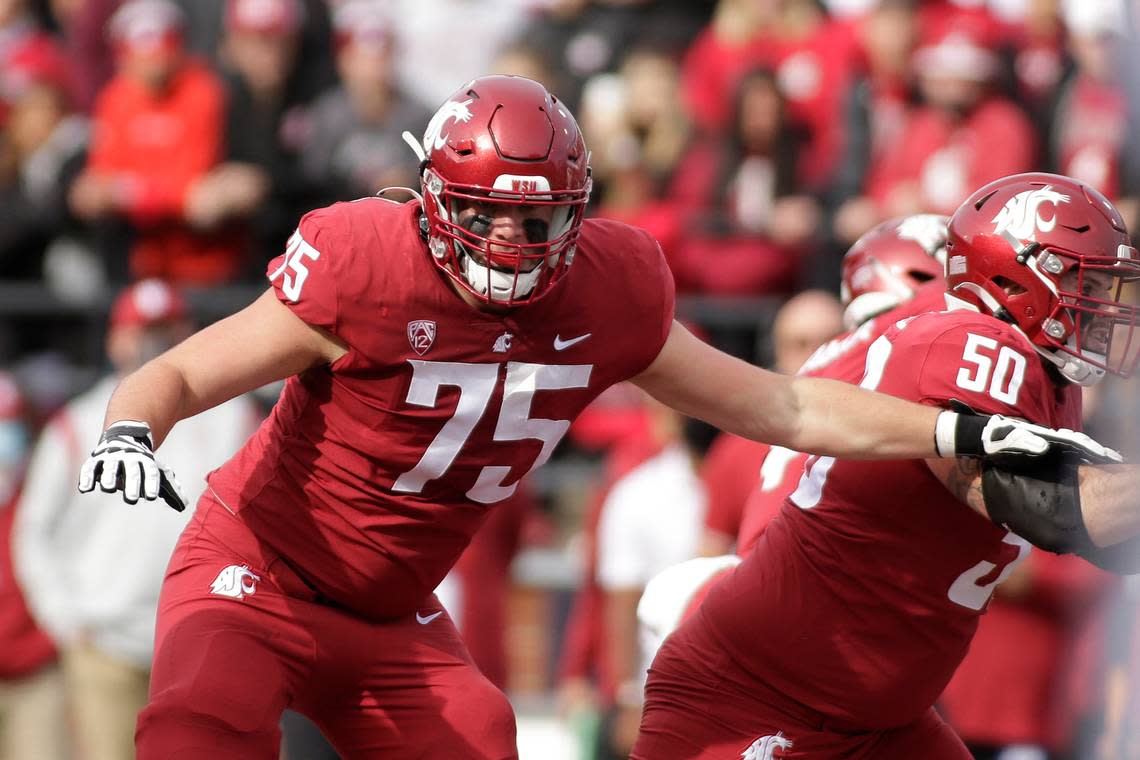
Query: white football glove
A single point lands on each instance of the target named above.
(124, 461)
(1009, 441)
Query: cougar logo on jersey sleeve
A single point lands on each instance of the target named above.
(1021, 217)
(235, 581)
(765, 747)
(434, 139)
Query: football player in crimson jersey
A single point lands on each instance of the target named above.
(840, 628)
(436, 351)
(893, 271)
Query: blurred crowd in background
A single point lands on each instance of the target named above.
(156, 154)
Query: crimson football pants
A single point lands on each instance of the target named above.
(240, 637)
(693, 713)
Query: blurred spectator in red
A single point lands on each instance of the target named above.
(1090, 121)
(733, 466)
(258, 188)
(33, 703)
(18, 24)
(634, 120)
(157, 130)
(962, 135)
(354, 146)
(878, 107)
(83, 25)
(1028, 635)
(1039, 59)
(719, 56)
(40, 155)
(747, 224)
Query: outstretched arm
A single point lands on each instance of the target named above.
(829, 417)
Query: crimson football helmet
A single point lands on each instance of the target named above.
(503, 140)
(1049, 255)
(885, 266)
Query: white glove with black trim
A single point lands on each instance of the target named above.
(1009, 442)
(124, 461)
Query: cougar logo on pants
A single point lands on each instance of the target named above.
(765, 747)
(235, 581)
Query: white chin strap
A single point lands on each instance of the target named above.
(1073, 368)
(496, 285)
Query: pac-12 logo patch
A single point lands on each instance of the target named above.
(421, 334)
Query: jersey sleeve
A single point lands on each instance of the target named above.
(305, 276)
(981, 363)
(653, 297)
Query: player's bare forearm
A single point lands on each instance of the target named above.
(153, 394)
(1110, 503)
(804, 414)
(962, 478)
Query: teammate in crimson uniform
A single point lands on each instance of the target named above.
(436, 351)
(835, 635)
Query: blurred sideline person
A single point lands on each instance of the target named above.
(883, 269)
(650, 520)
(91, 569)
(33, 704)
(436, 351)
(835, 635)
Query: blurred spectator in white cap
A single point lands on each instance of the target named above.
(41, 155)
(355, 146)
(91, 571)
(157, 131)
(33, 704)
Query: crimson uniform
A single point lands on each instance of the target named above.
(835, 635)
(316, 543)
(842, 358)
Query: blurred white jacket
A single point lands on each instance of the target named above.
(91, 565)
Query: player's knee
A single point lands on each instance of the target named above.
(173, 731)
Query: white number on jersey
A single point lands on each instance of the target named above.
(1008, 371)
(293, 270)
(476, 383)
(968, 592)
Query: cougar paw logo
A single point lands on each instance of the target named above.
(1020, 216)
(235, 581)
(765, 747)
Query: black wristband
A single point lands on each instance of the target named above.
(968, 430)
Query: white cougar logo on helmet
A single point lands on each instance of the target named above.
(1019, 215)
(765, 747)
(928, 230)
(452, 109)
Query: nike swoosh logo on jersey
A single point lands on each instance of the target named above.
(425, 619)
(562, 345)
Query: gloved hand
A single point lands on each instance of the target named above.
(1011, 442)
(124, 461)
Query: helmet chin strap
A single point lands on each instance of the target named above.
(496, 285)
